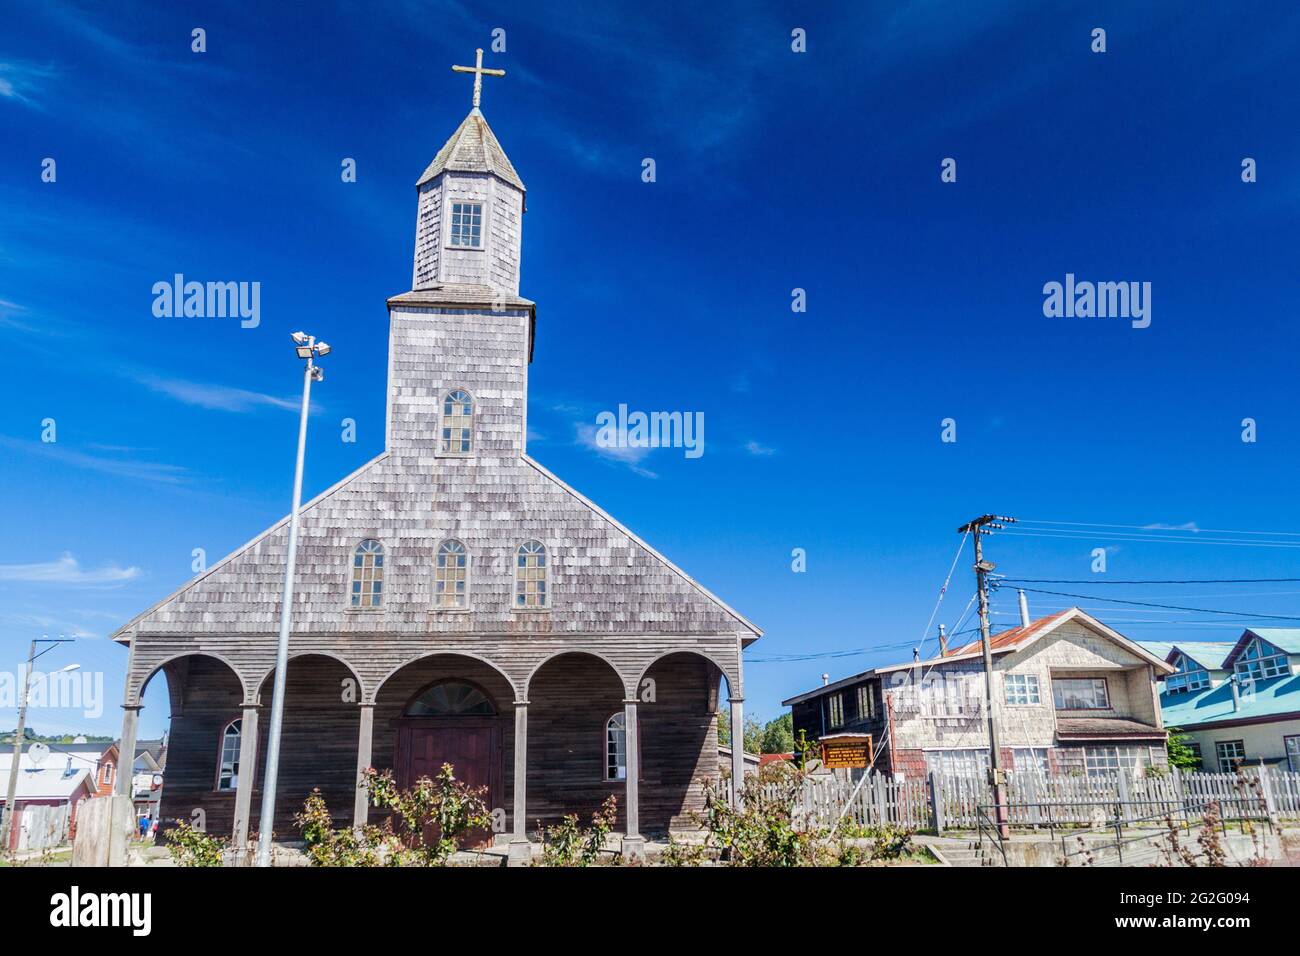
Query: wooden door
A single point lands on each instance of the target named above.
(471, 745)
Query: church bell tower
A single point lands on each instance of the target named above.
(471, 206)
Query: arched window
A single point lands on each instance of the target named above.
(368, 574)
(228, 765)
(451, 576)
(616, 747)
(457, 423)
(530, 575)
(451, 699)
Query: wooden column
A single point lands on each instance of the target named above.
(246, 779)
(633, 843)
(125, 779)
(365, 741)
(521, 852)
(737, 748)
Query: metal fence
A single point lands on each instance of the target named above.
(1041, 800)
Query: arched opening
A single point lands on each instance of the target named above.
(318, 741)
(202, 695)
(682, 694)
(572, 698)
(448, 709)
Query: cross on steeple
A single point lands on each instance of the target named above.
(478, 71)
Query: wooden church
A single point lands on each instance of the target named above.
(454, 600)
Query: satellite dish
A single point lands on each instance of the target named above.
(38, 753)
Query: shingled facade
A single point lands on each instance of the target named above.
(454, 599)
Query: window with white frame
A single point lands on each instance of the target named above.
(616, 747)
(955, 695)
(451, 576)
(1031, 758)
(971, 762)
(467, 224)
(457, 423)
(835, 710)
(1100, 761)
(228, 763)
(866, 702)
(1261, 659)
(1230, 753)
(368, 574)
(530, 575)
(1021, 689)
(1188, 676)
(1293, 752)
(108, 774)
(1080, 693)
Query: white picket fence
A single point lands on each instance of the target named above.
(1043, 800)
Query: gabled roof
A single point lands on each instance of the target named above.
(49, 780)
(1019, 638)
(473, 148)
(1271, 697)
(1211, 655)
(1286, 639)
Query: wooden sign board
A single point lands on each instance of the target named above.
(846, 751)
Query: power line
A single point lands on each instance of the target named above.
(1156, 527)
(1154, 539)
(1170, 607)
(1018, 581)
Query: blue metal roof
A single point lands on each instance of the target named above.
(1209, 654)
(1283, 638)
(1271, 698)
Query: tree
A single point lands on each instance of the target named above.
(778, 735)
(753, 742)
(1181, 754)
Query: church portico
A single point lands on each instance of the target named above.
(454, 600)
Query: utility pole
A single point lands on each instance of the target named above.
(985, 524)
(11, 795)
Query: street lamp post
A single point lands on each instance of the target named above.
(11, 795)
(307, 348)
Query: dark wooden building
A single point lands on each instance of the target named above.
(455, 601)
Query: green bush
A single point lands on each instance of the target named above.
(190, 847)
(567, 844)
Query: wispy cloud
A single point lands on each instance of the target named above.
(217, 397)
(125, 468)
(1186, 526)
(66, 570)
(759, 450)
(629, 456)
(21, 82)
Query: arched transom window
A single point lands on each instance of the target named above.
(457, 422)
(451, 699)
(616, 747)
(228, 765)
(451, 576)
(530, 575)
(368, 574)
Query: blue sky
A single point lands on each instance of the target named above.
(775, 170)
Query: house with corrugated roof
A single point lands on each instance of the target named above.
(1071, 695)
(1238, 702)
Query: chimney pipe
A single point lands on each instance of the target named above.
(943, 642)
(826, 679)
(1024, 610)
(1236, 693)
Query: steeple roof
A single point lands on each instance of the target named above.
(473, 148)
